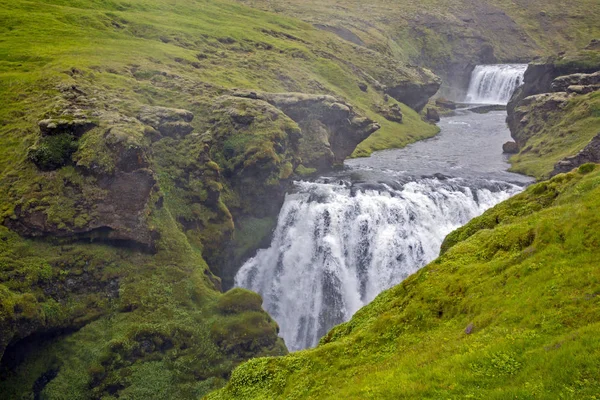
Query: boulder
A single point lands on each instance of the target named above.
(447, 104)
(75, 127)
(589, 154)
(432, 115)
(510, 147)
(391, 113)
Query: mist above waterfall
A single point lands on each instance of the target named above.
(494, 84)
(336, 247)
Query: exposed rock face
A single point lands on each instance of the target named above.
(539, 78)
(510, 148)
(589, 154)
(578, 83)
(556, 107)
(414, 95)
(331, 129)
(344, 33)
(444, 103)
(111, 200)
(544, 103)
(75, 127)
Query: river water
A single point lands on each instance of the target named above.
(344, 238)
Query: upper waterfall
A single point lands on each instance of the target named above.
(494, 84)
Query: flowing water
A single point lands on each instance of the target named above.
(344, 238)
(494, 84)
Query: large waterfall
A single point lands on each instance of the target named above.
(494, 84)
(338, 245)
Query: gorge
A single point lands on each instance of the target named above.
(341, 159)
(342, 240)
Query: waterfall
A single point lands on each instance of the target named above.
(494, 84)
(337, 246)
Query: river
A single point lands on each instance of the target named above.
(342, 239)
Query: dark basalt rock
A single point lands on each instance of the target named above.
(447, 104)
(432, 115)
(585, 82)
(119, 216)
(510, 148)
(414, 95)
(75, 127)
(392, 113)
(545, 103)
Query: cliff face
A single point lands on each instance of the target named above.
(554, 116)
(144, 156)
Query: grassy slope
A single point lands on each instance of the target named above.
(522, 280)
(397, 26)
(159, 335)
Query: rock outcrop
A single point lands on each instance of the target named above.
(414, 95)
(432, 115)
(589, 154)
(553, 114)
(391, 113)
(330, 128)
(168, 121)
(111, 198)
(540, 75)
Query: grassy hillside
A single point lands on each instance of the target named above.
(446, 30)
(510, 310)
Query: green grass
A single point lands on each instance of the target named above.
(510, 310)
(438, 32)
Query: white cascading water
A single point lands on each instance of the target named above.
(335, 247)
(494, 84)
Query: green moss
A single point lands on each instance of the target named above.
(53, 152)
(396, 135)
(303, 171)
(239, 300)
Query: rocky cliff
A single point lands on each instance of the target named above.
(555, 115)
